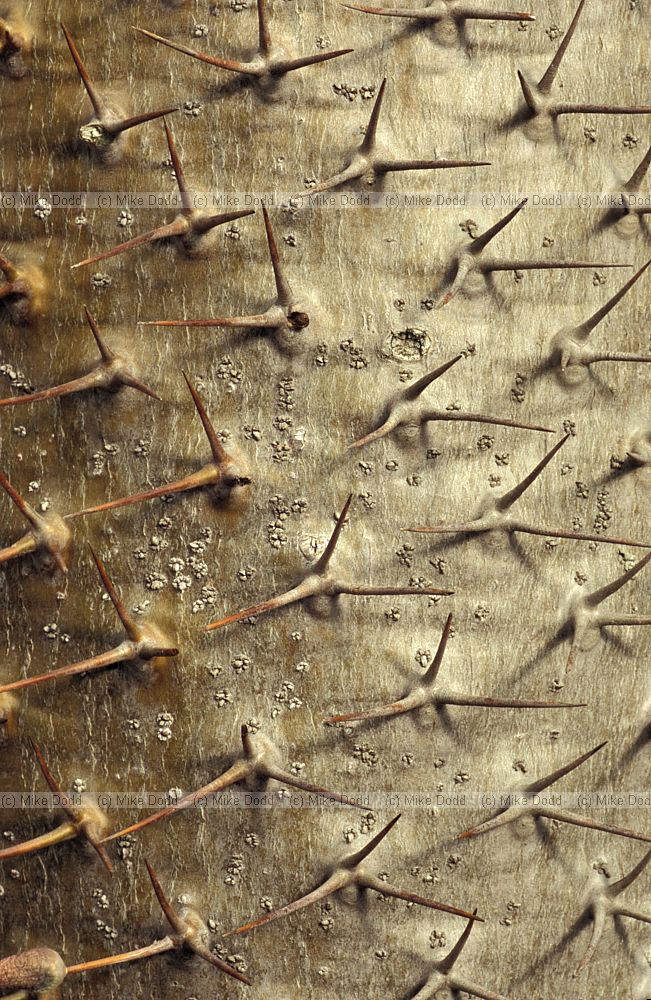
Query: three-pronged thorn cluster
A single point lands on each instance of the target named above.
(23, 293)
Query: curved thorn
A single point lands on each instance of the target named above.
(229, 64)
(135, 120)
(172, 918)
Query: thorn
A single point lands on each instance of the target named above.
(432, 671)
(370, 136)
(547, 80)
(324, 559)
(507, 499)
(178, 227)
(181, 182)
(635, 182)
(228, 64)
(450, 960)
(350, 871)
(534, 787)
(264, 38)
(98, 106)
(219, 453)
(481, 242)
(135, 120)
(586, 328)
(283, 289)
(127, 621)
(25, 509)
(173, 920)
(597, 597)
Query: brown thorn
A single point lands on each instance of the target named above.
(172, 918)
(283, 289)
(480, 242)
(81, 69)
(353, 860)
(324, 559)
(547, 80)
(290, 65)
(106, 353)
(25, 509)
(509, 498)
(638, 175)
(450, 960)
(414, 390)
(116, 600)
(219, 454)
(228, 64)
(600, 595)
(371, 129)
(432, 671)
(135, 120)
(178, 170)
(175, 228)
(586, 328)
(542, 783)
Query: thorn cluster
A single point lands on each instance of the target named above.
(48, 534)
(444, 978)
(527, 803)
(320, 581)
(259, 759)
(105, 132)
(603, 903)
(189, 935)
(367, 159)
(584, 620)
(404, 411)
(494, 515)
(193, 229)
(145, 644)
(426, 691)
(223, 476)
(267, 65)
(572, 356)
(86, 822)
(472, 260)
(352, 871)
(110, 373)
(287, 315)
(541, 104)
